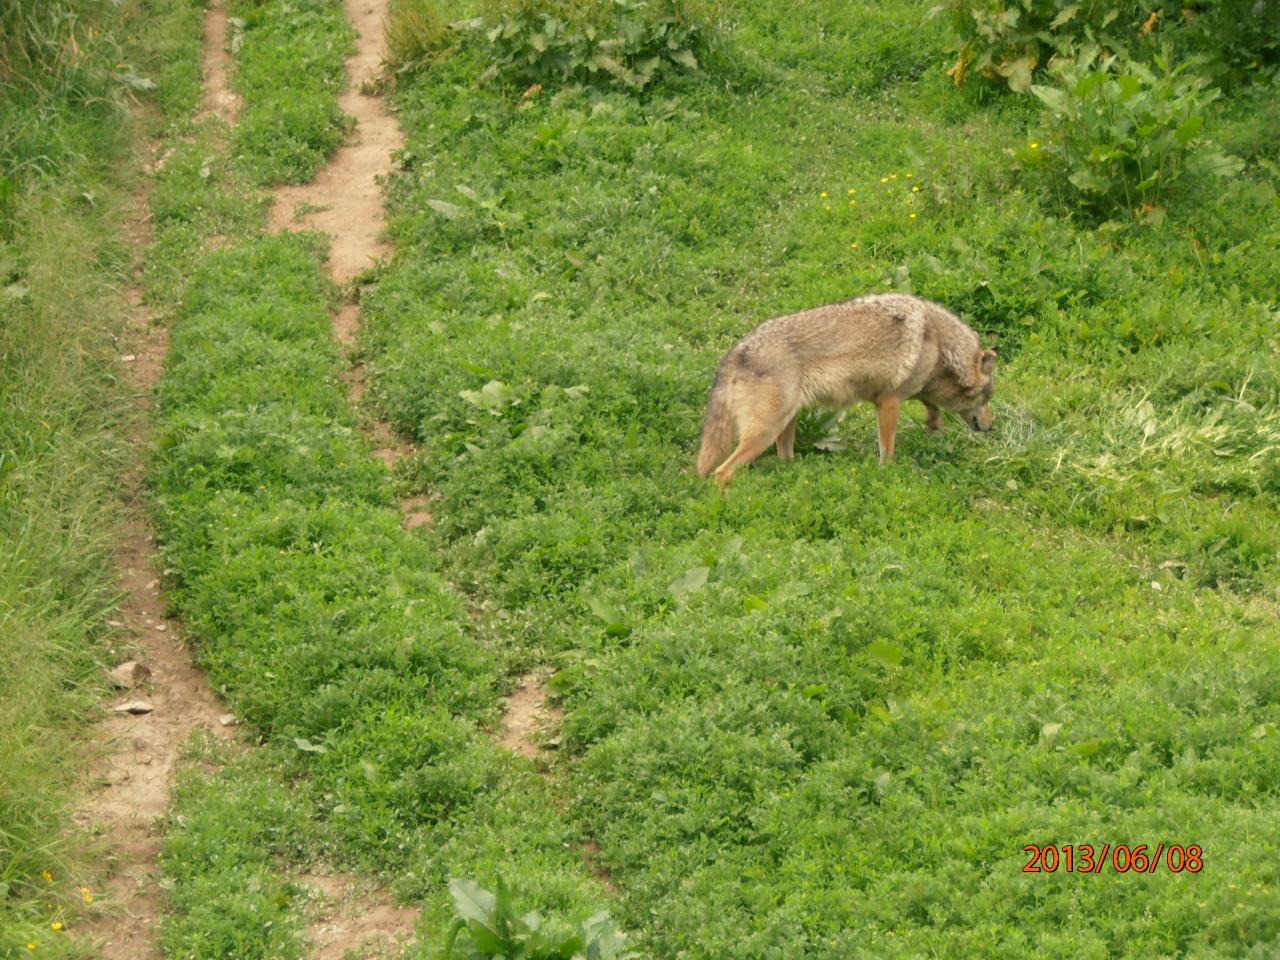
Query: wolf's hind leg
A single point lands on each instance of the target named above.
(761, 422)
(934, 422)
(750, 447)
(787, 439)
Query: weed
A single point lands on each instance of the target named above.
(627, 42)
(417, 35)
(1124, 134)
(494, 929)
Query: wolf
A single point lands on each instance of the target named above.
(886, 348)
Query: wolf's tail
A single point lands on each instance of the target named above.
(717, 429)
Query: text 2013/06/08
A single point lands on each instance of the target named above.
(1117, 858)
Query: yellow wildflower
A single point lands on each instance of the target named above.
(913, 216)
(56, 925)
(884, 179)
(823, 194)
(893, 176)
(1034, 145)
(31, 946)
(910, 175)
(915, 189)
(48, 877)
(88, 898)
(852, 190)
(852, 202)
(853, 246)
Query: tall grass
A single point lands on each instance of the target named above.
(65, 77)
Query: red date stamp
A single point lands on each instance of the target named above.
(1117, 858)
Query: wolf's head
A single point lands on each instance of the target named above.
(965, 388)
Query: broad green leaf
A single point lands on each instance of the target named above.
(1018, 73)
(605, 612)
(880, 713)
(689, 581)
(447, 210)
(1087, 748)
(1089, 181)
(467, 192)
(472, 901)
(685, 58)
(1189, 129)
(1051, 97)
(1069, 11)
(885, 653)
(1218, 164)
(1130, 86)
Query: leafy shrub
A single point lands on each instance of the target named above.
(494, 930)
(1126, 133)
(1236, 37)
(626, 42)
(1011, 40)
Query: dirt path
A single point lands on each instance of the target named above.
(345, 198)
(528, 717)
(349, 915)
(129, 782)
(219, 99)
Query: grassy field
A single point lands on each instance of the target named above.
(822, 715)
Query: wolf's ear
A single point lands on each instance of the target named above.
(987, 362)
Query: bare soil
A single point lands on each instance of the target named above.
(345, 198)
(219, 99)
(351, 917)
(528, 717)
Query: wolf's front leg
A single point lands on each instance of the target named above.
(887, 408)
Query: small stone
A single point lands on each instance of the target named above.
(129, 674)
(128, 358)
(135, 707)
(161, 627)
(228, 720)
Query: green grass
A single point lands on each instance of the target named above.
(322, 622)
(289, 70)
(66, 175)
(822, 715)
